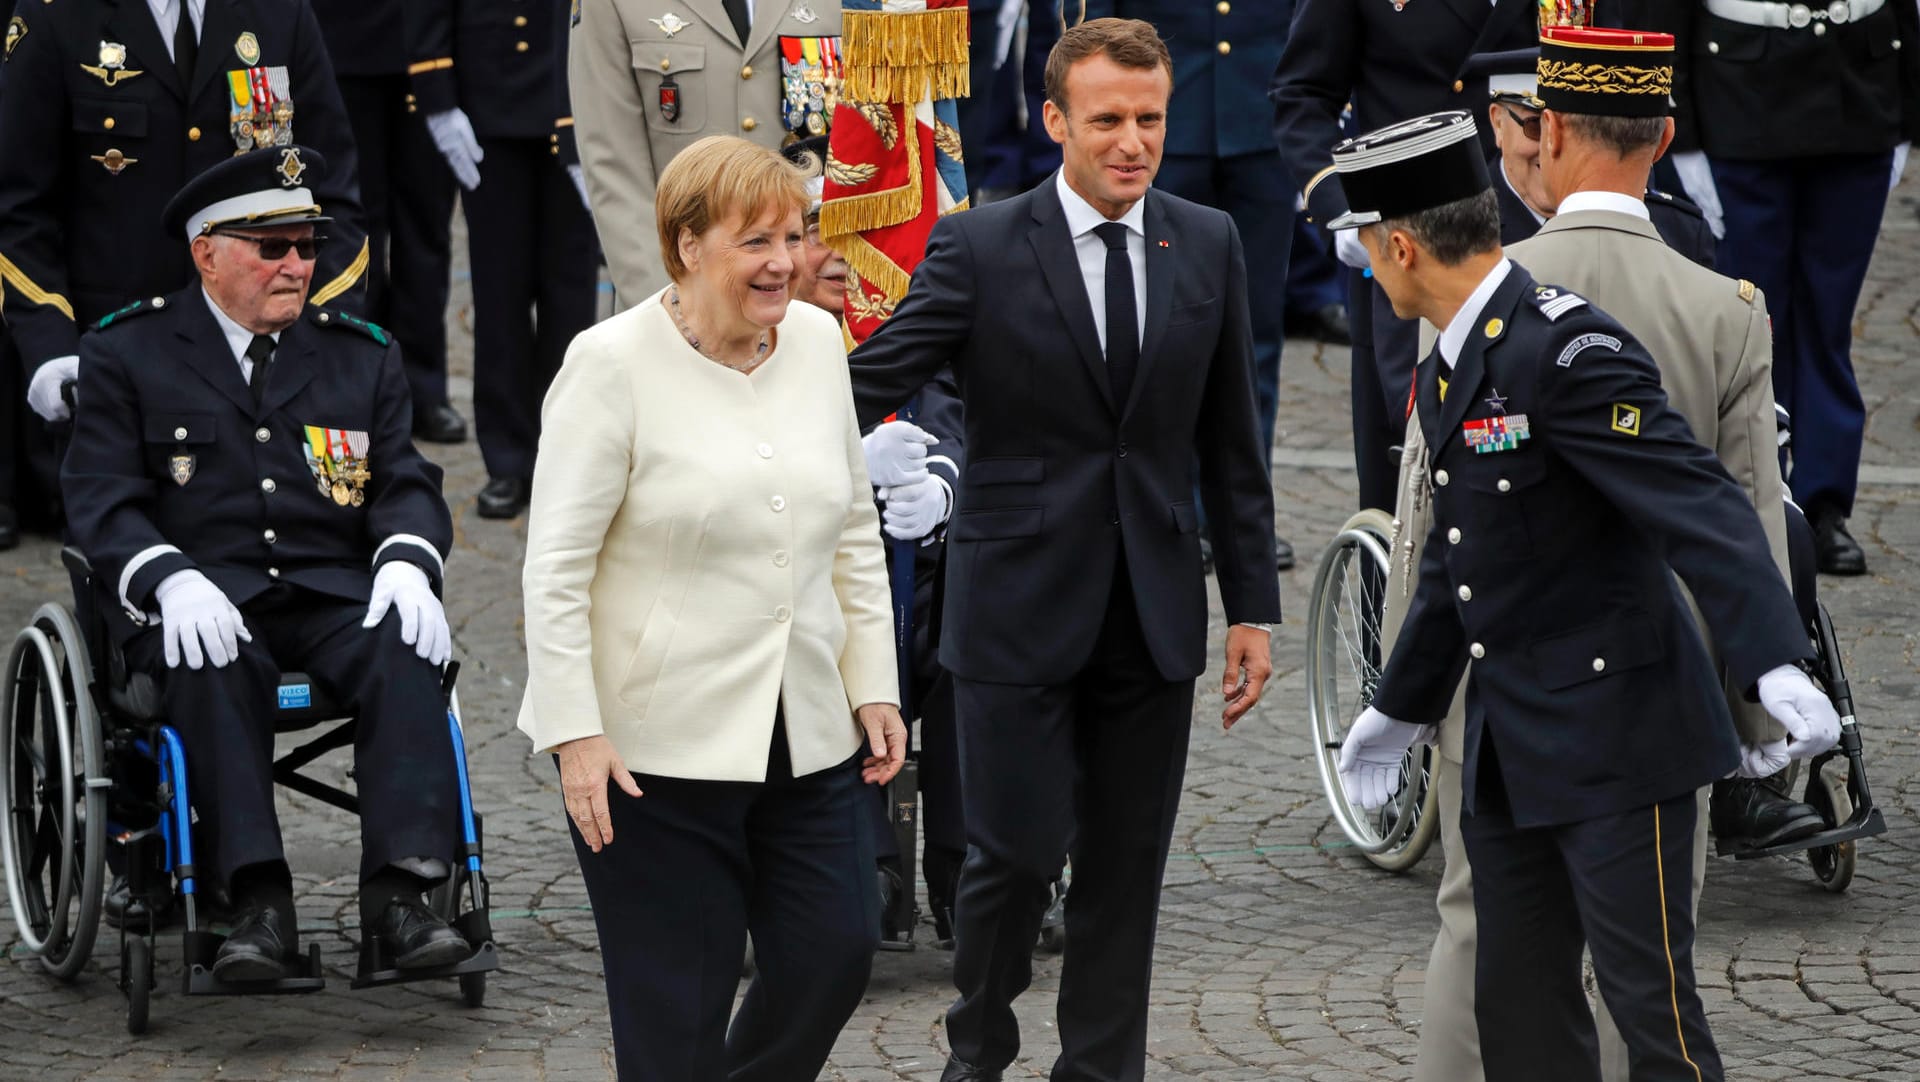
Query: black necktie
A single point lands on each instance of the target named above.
(260, 352)
(186, 47)
(737, 11)
(1123, 322)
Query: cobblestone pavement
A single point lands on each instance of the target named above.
(1281, 954)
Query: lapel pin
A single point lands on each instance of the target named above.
(1164, 244)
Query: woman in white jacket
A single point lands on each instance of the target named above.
(709, 641)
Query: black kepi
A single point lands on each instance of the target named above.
(1415, 165)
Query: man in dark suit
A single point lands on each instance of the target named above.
(1789, 121)
(243, 478)
(406, 187)
(1391, 59)
(1100, 335)
(109, 110)
(1594, 711)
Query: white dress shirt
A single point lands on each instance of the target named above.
(1092, 253)
(1454, 338)
(238, 338)
(1614, 201)
(167, 14)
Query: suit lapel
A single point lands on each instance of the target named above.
(1463, 386)
(1471, 12)
(1053, 247)
(206, 351)
(714, 14)
(1159, 292)
(220, 28)
(766, 18)
(130, 22)
(294, 365)
(1494, 23)
(1426, 398)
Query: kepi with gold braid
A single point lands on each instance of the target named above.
(1605, 72)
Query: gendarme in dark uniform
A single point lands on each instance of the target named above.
(1566, 492)
(99, 129)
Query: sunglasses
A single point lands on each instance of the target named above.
(1529, 122)
(274, 249)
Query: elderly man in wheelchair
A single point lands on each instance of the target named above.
(242, 479)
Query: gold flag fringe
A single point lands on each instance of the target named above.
(905, 56)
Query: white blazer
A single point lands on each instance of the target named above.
(702, 544)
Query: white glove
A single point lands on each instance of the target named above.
(1370, 756)
(43, 393)
(453, 133)
(1696, 176)
(1899, 165)
(401, 586)
(578, 174)
(1762, 760)
(193, 612)
(897, 453)
(1811, 724)
(914, 510)
(1347, 246)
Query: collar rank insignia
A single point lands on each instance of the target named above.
(1490, 434)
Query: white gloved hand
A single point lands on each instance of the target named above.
(578, 174)
(195, 613)
(1371, 754)
(915, 510)
(1899, 164)
(403, 587)
(43, 393)
(897, 453)
(1762, 760)
(453, 134)
(1696, 176)
(1789, 695)
(1347, 246)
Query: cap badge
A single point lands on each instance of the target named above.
(291, 168)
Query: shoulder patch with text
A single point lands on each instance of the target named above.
(1584, 343)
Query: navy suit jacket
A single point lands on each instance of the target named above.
(1062, 483)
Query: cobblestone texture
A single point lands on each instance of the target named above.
(1281, 955)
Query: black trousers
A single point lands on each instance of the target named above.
(1385, 349)
(1618, 885)
(402, 752)
(1093, 764)
(535, 273)
(939, 761)
(408, 191)
(697, 866)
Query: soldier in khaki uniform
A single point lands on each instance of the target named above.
(1709, 335)
(650, 77)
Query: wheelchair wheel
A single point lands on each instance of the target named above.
(138, 976)
(1832, 864)
(53, 787)
(1343, 668)
(473, 989)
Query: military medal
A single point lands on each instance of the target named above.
(811, 74)
(669, 99)
(1491, 434)
(113, 68)
(337, 458)
(247, 48)
(180, 467)
(261, 108)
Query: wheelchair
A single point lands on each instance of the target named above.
(88, 763)
(1343, 669)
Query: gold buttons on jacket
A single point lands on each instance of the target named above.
(519, 20)
(193, 135)
(1458, 86)
(665, 63)
(748, 123)
(746, 72)
(1224, 48)
(519, 46)
(1477, 650)
(1453, 536)
(107, 123)
(1223, 7)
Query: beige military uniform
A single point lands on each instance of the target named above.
(619, 55)
(1712, 340)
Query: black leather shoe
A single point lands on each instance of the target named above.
(9, 528)
(1746, 811)
(960, 1072)
(505, 497)
(417, 939)
(1328, 324)
(122, 910)
(256, 949)
(440, 424)
(891, 887)
(1283, 553)
(1834, 549)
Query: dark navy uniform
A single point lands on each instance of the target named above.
(1221, 153)
(1392, 61)
(530, 241)
(170, 450)
(1594, 712)
(404, 182)
(1680, 222)
(1799, 122)
(97, 132)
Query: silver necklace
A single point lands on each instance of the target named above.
(759, 351)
